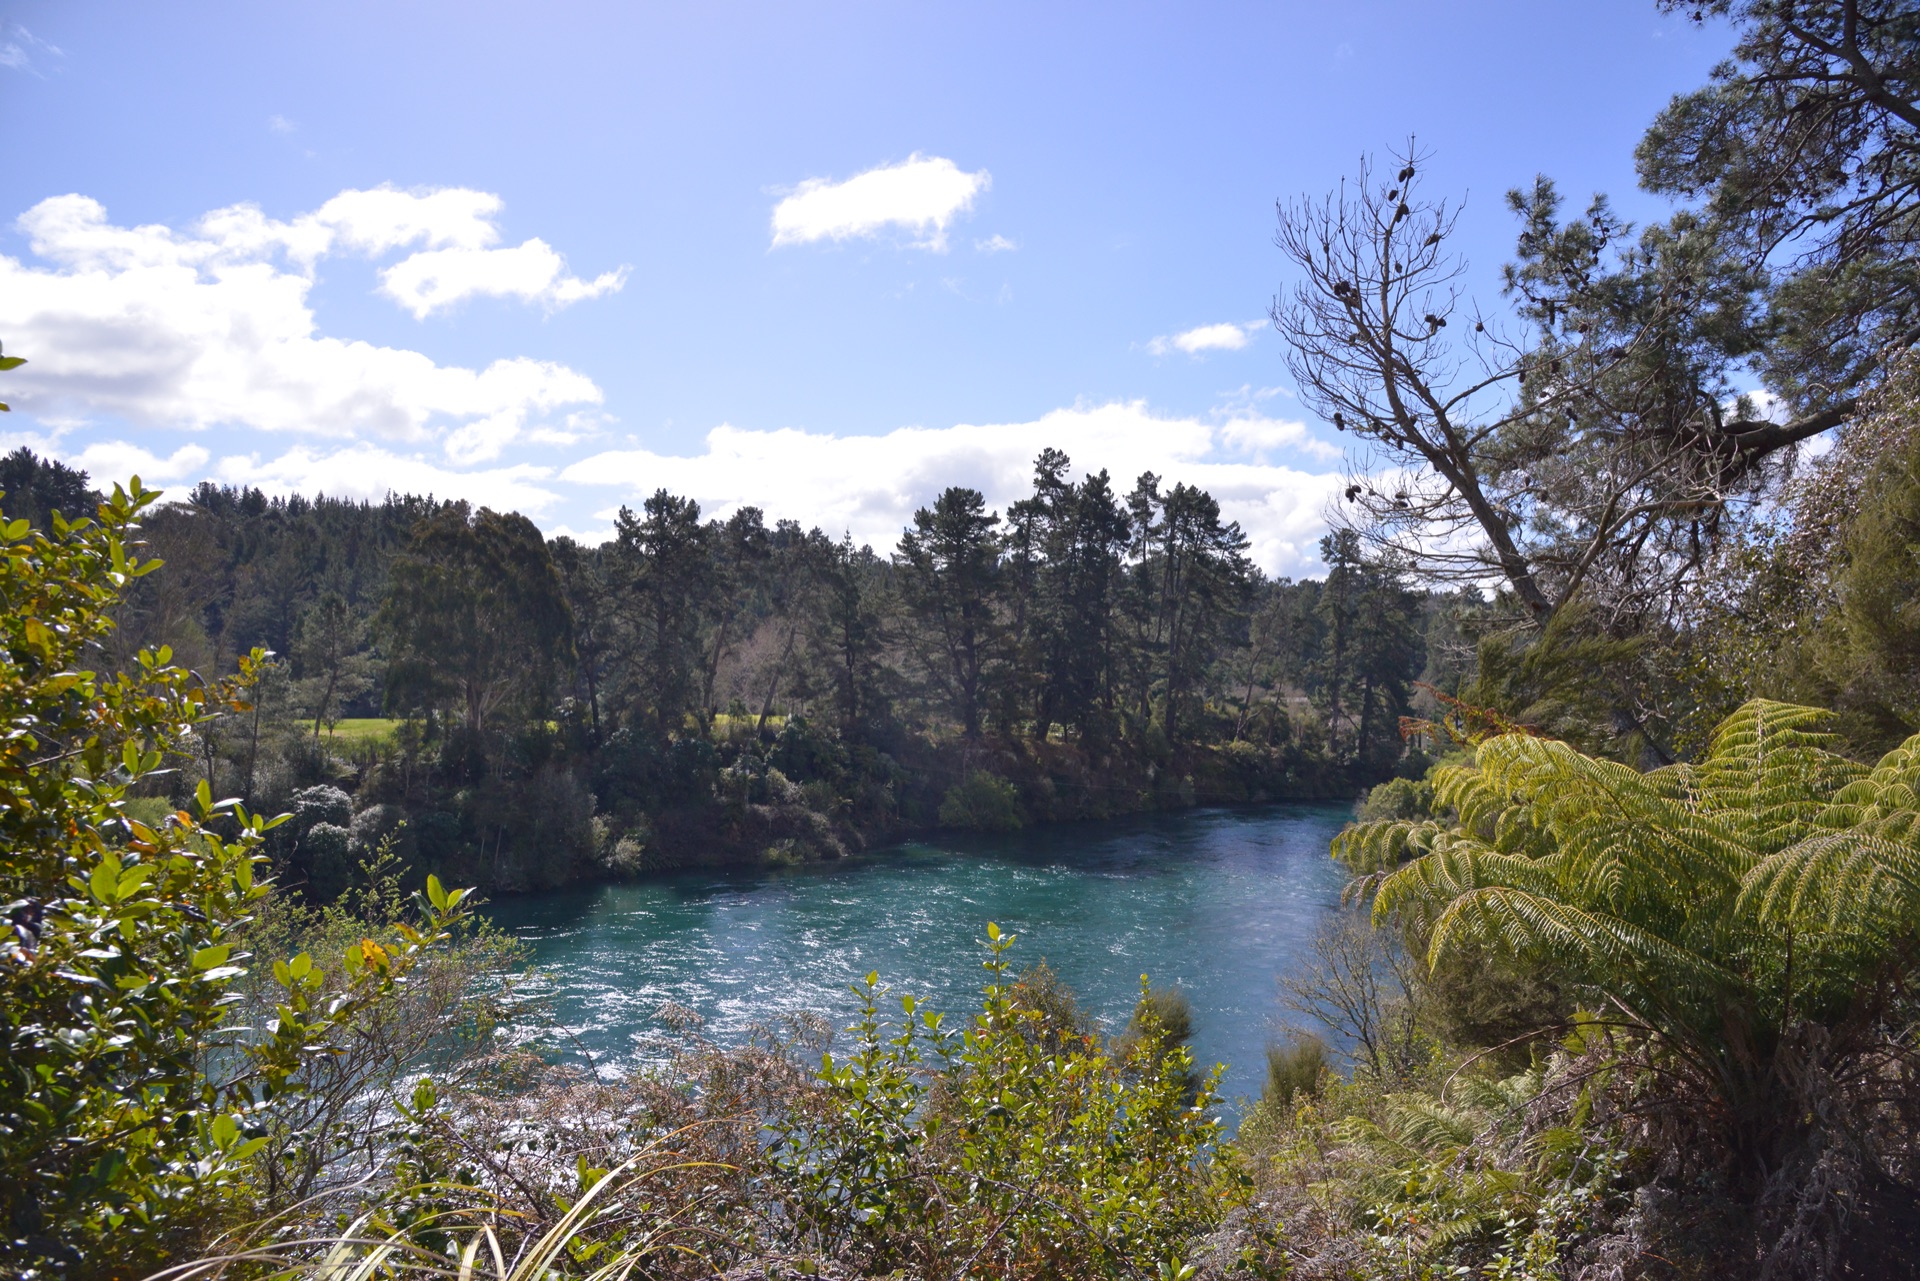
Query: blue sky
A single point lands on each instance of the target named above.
(554, 257)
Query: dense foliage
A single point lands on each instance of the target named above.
(1707, 969)
(131, 1101)
(718, 690)
(1751, 919)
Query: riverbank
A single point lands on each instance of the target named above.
(558, 816)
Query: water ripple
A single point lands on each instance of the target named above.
(1220, 902)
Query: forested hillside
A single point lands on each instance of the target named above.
(706, 690)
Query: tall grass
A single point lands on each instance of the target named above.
(608, 1232)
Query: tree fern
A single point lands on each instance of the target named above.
(1723, 909)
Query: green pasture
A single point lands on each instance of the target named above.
(360, 729)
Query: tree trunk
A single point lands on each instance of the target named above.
(779, 670)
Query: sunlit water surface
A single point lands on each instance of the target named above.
(1219, 902)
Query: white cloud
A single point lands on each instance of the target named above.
(115, 460)
(1260, 436)
(582, 424)
(995, 244)
(1764, 405)
(207, 328)
(367, 471)
(20, 49)
(73, 230)
(1222, 337)
(870, 485)
(383, 218)
(280, 124)
(922, 195)
(436, 279)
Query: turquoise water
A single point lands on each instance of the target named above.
(1219, 902)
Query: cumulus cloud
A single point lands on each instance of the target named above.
(921, 195)
(871, 485)
(369, 471)
(1222, 337)
(384, 218)
(436, 279)
(211, 326)
(995, 244)
(112, 460)
(1261, 437)
(365, 470)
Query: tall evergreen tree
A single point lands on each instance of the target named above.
(37, 487)
(1369, 653)
(851, 635)
(583, 576)
(663, 556)
(740, 548)
(1191, 579)
(797, 565)
(334, 664)
(950, 570)
(1088, 532)
(1801, 156)
(474, 618)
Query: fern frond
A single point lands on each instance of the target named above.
(1457, 866)
(1772, 765)
(1716, 902)
(1888, 794)
(1367, 848)
(1592, 944)
(1428, 1125)
(1843, 882)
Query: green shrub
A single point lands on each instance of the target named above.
(327, 851)
(1397, 798)
(983, 802)
(1017, 1145)
(130, 1102)
(988, 1144)
(1295, 1068)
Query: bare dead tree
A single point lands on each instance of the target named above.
(1590, 448)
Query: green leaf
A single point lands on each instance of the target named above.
(104, 880)
(11, 362)
(436, 893)
(207, 958)
(130, 880)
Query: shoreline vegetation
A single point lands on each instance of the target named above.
(518, 713)
(1632, 979)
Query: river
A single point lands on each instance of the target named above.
(1219, 902)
